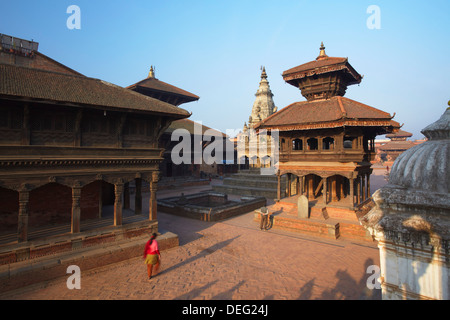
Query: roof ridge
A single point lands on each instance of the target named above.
(47, 71)
(133, 100)
(139, 83)
(341, 105)
(370, 107)
(277, 113)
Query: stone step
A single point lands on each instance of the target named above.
(260, 177)
(247, 191)
(250, 183)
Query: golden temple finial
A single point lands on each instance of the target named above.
(322, 54)
(151, 74)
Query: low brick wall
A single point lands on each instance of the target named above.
(70, 242)
(29, 272)
(190, 209)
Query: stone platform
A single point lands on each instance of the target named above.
(209, 206)
(251, 183)
(331, 221)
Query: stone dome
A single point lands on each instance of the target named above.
(426, 166)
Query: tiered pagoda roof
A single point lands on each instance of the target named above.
(331, 113)
(163, 91)
(323, 83)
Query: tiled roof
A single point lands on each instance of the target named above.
(400, 133)
(155, 84)
(316, 64)
(189, 125)
(34, 84)
(319, 66)
(334, 112)
(397, 145)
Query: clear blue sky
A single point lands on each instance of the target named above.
(215, 48)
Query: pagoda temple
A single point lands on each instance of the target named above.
(326, 145)
(155, 88)
(388, 152)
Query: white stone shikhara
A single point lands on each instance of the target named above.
(253, 146)
(411, 219)
(263, 106)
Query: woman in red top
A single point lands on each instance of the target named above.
(152, 255)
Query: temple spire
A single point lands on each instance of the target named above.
(322, 54)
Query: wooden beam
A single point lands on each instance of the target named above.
(318, 188)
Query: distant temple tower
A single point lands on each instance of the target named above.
(263, 107)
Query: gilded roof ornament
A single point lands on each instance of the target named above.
(322, 54)
(151, 74)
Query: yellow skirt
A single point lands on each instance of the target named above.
(151, 259)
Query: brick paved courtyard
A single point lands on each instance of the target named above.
(229, 260)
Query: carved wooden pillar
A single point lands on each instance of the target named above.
(334, 189)
(76, 209)
(118, 193)
(289, 184)
(153, 205)
(300, 185)
(363, 184)
(22, 230)
(324, 190)
(310, 187)
(358, 190)
(126, 196)
(138, 196)
(368, 186)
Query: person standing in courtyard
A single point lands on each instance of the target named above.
(152, 256)
(264, 212)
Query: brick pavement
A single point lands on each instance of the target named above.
(228, 260)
